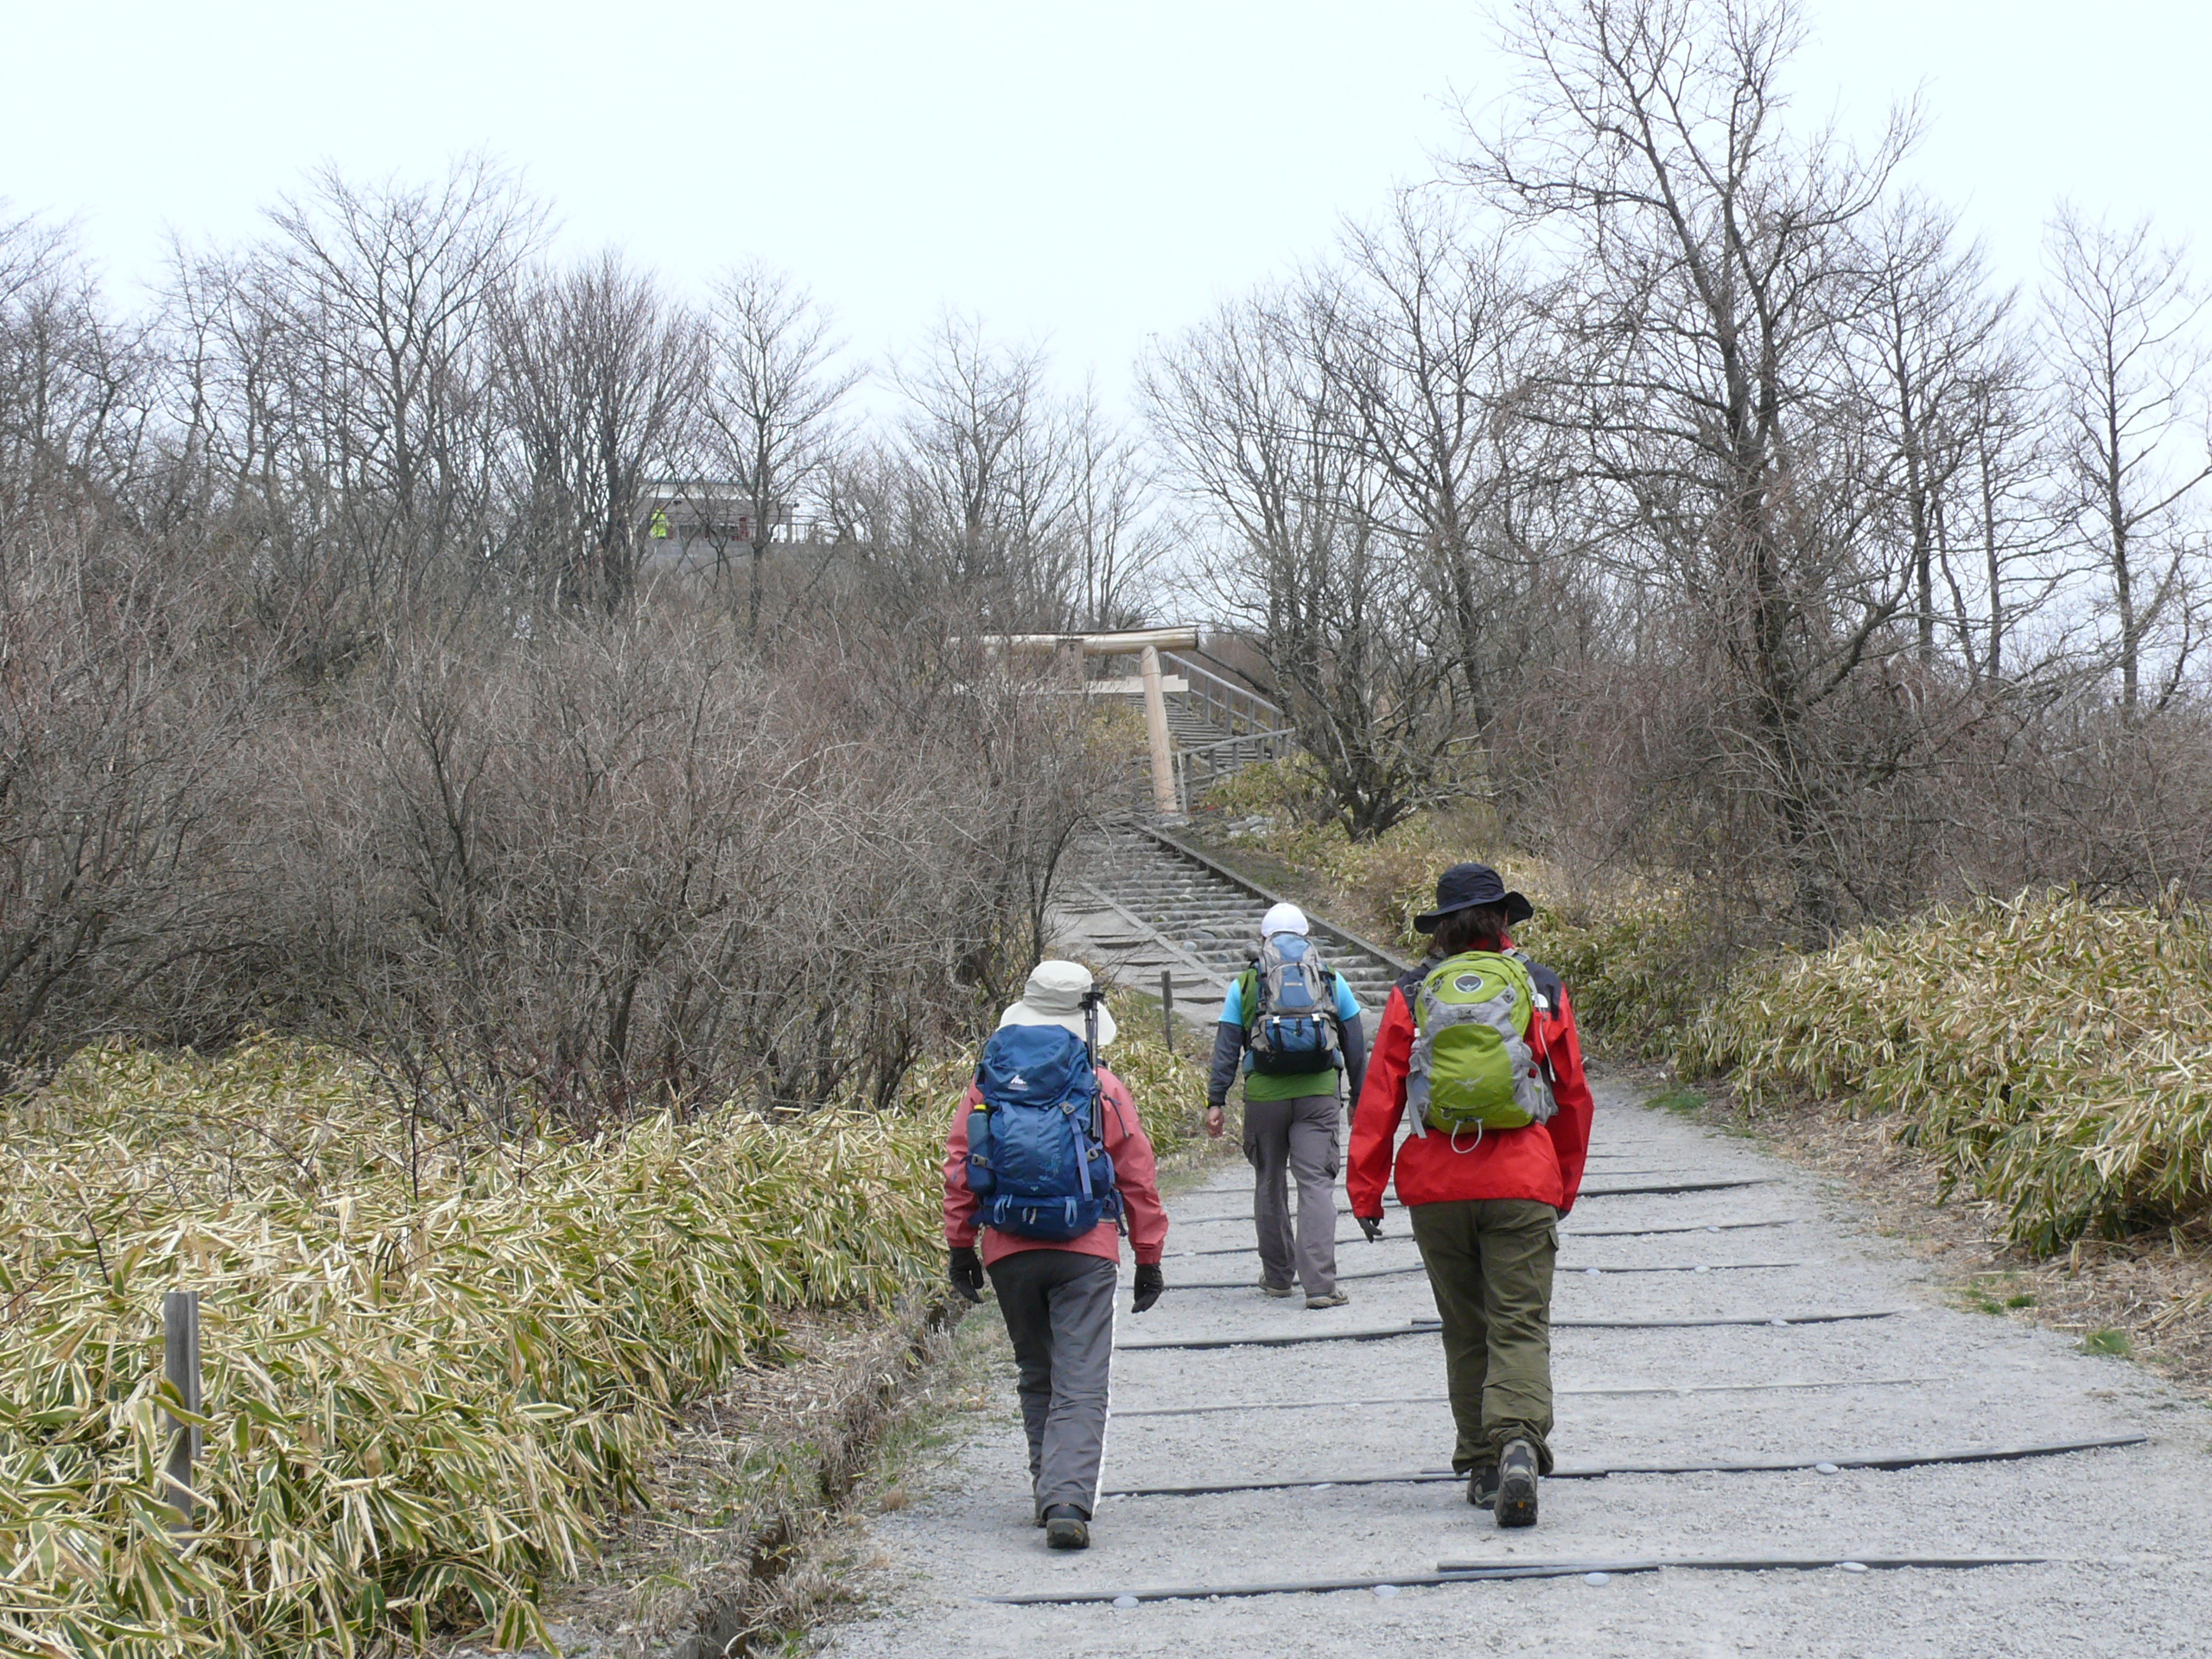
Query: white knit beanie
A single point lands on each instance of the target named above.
(1283, 919)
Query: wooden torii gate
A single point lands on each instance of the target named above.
(1148, 644)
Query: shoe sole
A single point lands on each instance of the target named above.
(1516, 1501)
(1067, 1534)
(1313, 1303)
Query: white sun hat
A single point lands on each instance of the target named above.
(1283, 919)
(1054, 996)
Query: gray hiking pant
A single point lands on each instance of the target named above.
(1298, 1136)
(1058, 1306)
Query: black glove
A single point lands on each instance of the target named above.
(967, 1273)
(1371, 1225)
(1149, 1285)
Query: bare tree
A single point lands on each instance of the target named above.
(385, 297)
(1935, 331)
(1267, 443)
(2123, 326)
(600, 374)
(77, 388)
(1717, 297)
(1121, 542)
(985, 451)
(775, 397)
(1440, 344)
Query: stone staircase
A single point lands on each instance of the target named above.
(1192, 728)
(1137, 902)
(1140, 903)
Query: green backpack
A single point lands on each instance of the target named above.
(1471, 1066)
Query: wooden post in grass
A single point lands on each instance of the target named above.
(180, 1365)
(1167, 1008)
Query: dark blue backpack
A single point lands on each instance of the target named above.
(1036, 1155)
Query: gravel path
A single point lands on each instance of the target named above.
(2124, 1530)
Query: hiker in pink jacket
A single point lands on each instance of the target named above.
(1056, 1295)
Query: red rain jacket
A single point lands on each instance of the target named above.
(1542, 1162)
(1135, 1173)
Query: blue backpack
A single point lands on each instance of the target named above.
(1036, 1154)
(1290, 1009)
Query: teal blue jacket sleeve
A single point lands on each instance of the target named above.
(1232, 1005)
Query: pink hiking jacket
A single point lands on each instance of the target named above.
(1135, 1173)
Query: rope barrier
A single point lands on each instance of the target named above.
(1579, 1232)
(1684, 1388)
(1595, 1571)
(1431, 1327)
(1692, 1227)
(1565, 1472)
(1587, 1192)
(1399, 1273)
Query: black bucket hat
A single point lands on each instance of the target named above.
(1466, 886)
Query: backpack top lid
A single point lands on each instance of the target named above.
(1288, 977)
(1035, 1066)
(1491, 978)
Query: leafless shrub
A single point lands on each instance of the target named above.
(628, 863)
(127, 872)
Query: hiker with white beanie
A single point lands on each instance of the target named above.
(1293, 1027)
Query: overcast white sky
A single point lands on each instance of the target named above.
(1089, 173)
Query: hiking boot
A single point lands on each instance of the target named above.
(1482, 1485)
(1065, 1528)
(1334, 1298)
(1277, 1290)
(1517, 1484)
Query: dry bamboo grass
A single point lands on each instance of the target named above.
(432, 1372)
(2049, 1055)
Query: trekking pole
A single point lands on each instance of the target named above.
(1091, 999)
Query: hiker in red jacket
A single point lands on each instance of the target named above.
(1058, 1296)
(1485, 1202)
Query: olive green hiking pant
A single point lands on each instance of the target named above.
(1490, 1263)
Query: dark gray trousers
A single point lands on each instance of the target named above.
(1297, 1137)
(1058, 1307)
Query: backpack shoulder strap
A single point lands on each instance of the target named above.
(1546, 982)
(1248, 994)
